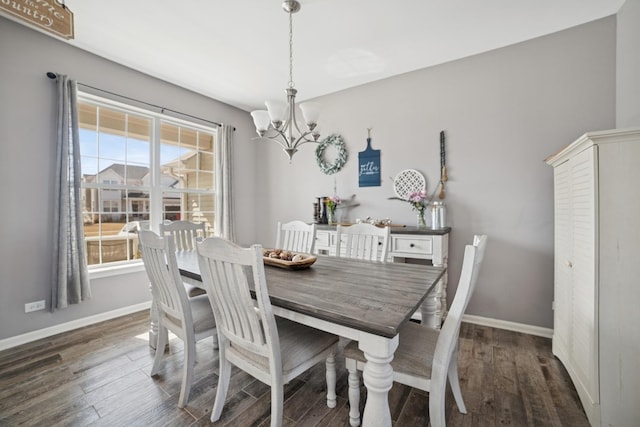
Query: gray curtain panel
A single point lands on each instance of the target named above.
(224, 226)
(70, 281)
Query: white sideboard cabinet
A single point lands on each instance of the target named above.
(596, 331)
(408, 243)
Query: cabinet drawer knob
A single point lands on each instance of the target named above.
(569, 264)
(412, 245)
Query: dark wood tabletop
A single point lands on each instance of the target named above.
(369, 296)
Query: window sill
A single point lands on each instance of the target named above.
(115, 270)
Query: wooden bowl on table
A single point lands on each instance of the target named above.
(287, 259)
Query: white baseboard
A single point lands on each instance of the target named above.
(86, 321)
(69, 326)
(509, 326)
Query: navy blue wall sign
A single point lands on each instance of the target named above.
(369, 167)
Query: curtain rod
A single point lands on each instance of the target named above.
(53, 76)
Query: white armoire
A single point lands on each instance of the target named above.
(596, 331)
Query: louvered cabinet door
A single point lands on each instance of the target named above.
(575, 320)
(563, 281)
(575, 331)
(583, 261)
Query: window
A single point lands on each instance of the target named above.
(139, 168)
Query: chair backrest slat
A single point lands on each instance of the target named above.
(363, 241)
(296, 236)
(185, 234)
(229, 272)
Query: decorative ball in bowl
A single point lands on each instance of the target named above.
(287, 259)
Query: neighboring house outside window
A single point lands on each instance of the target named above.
(139, 168)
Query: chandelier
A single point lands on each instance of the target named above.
(278, 123)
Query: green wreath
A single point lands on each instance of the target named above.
(341, 159)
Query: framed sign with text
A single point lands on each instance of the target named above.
(50, 15)
(369, 166)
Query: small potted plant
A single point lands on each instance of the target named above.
(332, 203)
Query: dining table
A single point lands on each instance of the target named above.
(360, 300)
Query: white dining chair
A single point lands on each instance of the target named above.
(185, 234)
(296, 236)
(425, 357)
(190, 319)
(363, 241)
(272, 350)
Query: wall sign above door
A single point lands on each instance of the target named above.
(369, 165)
(48, 15)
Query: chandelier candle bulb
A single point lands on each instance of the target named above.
(261, 120)
(277, 111)
(311, 113)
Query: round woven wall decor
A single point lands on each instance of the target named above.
(408, 181)
(337, 142)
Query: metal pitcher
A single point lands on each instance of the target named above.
(437, 215)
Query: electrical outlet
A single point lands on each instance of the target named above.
(34, 306)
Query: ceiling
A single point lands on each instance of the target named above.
(237, 51)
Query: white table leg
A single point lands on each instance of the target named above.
(153, 325)
(443, 296)
(378, 378)
(440, 259)
(432, 308)
(331, 381)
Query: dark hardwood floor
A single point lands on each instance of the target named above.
(98, 375)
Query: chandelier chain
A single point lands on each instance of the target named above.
(291, 82)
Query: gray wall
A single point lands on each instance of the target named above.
(27, 132)
(503, 113)
(628, 65)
